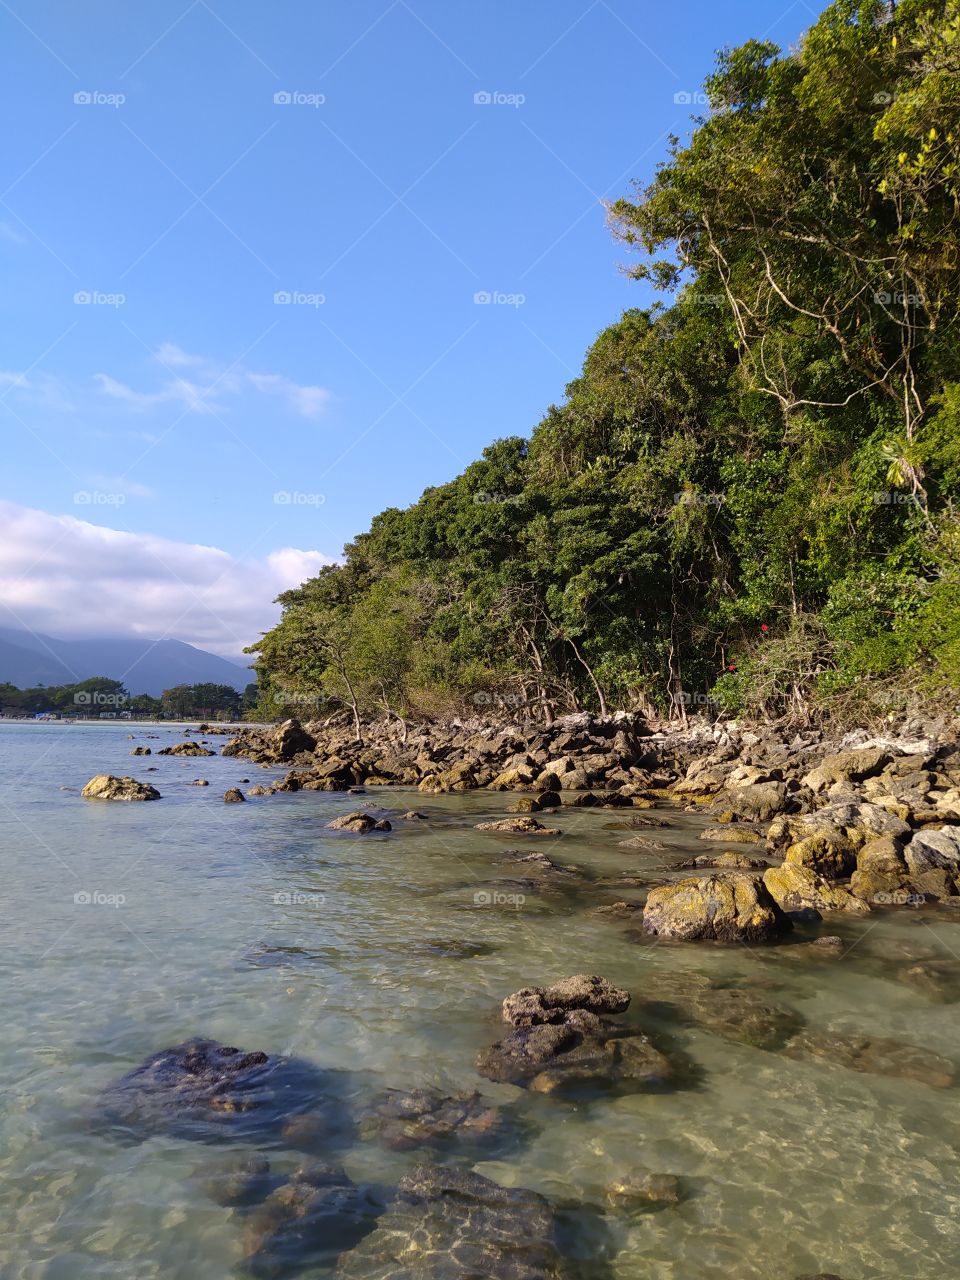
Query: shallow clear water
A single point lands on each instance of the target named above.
(253, 925)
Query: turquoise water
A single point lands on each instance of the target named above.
(253, 925)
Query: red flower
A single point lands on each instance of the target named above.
(764, 627)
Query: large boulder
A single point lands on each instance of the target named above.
(756, 803)
(450, 1224)
(290, 739)
(185, 749)
(105, 786)
(847, 767)
(722, 908)
(929, 850)
(205, 1090)
(795, 887)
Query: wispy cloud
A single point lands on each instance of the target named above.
(210, 387)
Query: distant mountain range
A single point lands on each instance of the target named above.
(28, 658)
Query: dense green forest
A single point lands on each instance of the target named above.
(748, 498)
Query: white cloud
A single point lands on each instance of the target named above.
(204, 392)
(71, 578)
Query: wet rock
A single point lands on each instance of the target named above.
(141, 751)
(359, 823)
(620, 910)
(518, 826)
(636, 821)
(743, 835)
(412, 816)
(259, 791)
(874, 1056)
(540, 862)
(233, 795)
(449, 1224)
(795, 887)
(237, 1181)
(558, 1041)
(309, 1220)
(199, 782)
(730, 1012)
(185, 749)
(450, 948)
(533, 1005)
(641, 1189)
(641, 842)
(938, 980)
(105, 786)
(722, 908)
(724, 862)
(205, 1090)
(403, 1121)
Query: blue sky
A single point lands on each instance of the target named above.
(181, 164)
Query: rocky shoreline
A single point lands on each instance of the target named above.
(846, 826)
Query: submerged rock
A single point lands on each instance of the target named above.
(404, 1121)
(105, 786)
(723, 862)
(560, 1040)
(875, 1056)
(742, 835)
(731, 1012)
(449, 1224)
(641, 1189)
(732, 908)
(518, 826)
(313, 1217)
(237, 1181)
(359, 823)
(205, 1090)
